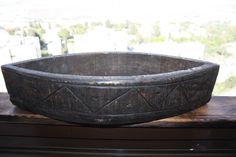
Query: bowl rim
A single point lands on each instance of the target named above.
(129, 80)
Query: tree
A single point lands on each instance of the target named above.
(64, 34)
(35, 27)
(36, 30)
(156, 30)
(79, 29)
(42, 43)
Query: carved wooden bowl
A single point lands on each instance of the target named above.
(110, 88)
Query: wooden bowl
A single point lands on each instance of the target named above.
(110, 88)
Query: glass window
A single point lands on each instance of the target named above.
(199, 29)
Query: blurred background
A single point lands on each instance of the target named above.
(199, 29)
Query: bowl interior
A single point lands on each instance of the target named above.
(109, 64)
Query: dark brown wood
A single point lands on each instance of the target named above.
(219, 112)
(110, 88)
(206, 131)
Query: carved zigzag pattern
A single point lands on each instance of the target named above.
(127, 101)
(63, 98)
(197, 88)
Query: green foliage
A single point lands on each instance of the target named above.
(130, 27)
(31, 32)
(64, 34)
(181, 40)
(44, 53)
(70, 40)
(35, 29)
(117, 26)
(218, 34)
(79, 29)
(155, 39)
(216, 51)
(224, 86)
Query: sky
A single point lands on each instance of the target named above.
(138, 10)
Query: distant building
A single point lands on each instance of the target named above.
(16, 48)
(53, 42)
(99, 39)
(190, 49)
